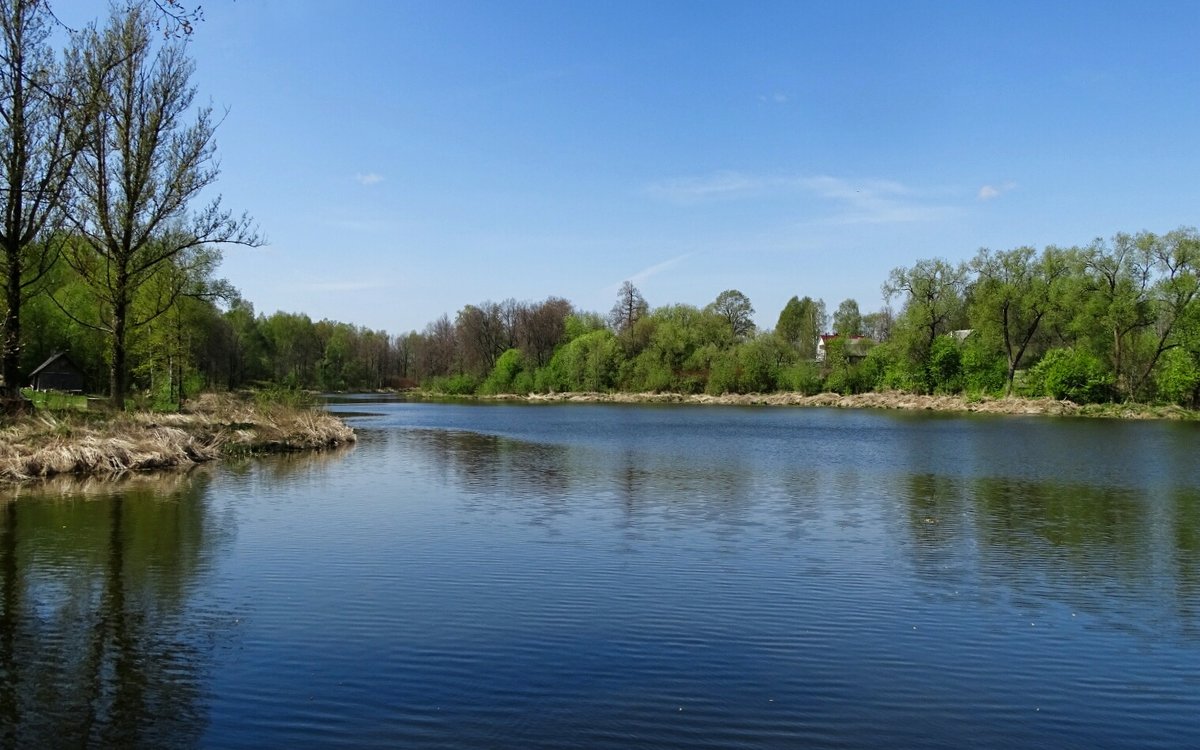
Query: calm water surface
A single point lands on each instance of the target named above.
(621, 577)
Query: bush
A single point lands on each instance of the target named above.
(1071, 374)
(945, 370)
(801, 377)
(506, 376)
(1177, 377)
(984, 370)
(722, 373)
(587, 363)
(285, 395)
(452, 385)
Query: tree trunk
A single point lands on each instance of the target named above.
(118, 386)
(12, 326)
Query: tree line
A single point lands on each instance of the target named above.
(103, 254)
(1114, 320)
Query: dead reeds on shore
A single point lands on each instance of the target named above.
(49, 444)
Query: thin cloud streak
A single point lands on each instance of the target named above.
(342, 286)
(368, 179)
(867, 201)
(991, 192)
(645, 274)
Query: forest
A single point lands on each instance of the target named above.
(103, 155)
(1116, 320)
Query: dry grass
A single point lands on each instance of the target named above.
(49, 445)
(883, 400)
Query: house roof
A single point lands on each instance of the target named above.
(54, 358)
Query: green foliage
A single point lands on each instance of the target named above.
(847, 320)
(461, 384)
(1072, 374)
(735, 310)
(722, 373)
(800, 323)
(1178, 378)
(897, 370)
(578, 324)
(54, 400)
(801, 377)
(945, 371)
(282, 395)
(760, 360)
(510, 375)
(983, 367)
(587, 363)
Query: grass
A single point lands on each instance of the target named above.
(51, 443)
(54, 400)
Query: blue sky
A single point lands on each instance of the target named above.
(407, 158)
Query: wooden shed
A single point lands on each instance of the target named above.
(58, 373)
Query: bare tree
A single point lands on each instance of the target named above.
(41, 107)
(141, 167)
(542, 327)
(629, 308)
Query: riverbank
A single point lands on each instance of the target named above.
(53, 444)
(886, 400)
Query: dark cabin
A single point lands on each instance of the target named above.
(58, 373)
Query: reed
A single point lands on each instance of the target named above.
(51, 444)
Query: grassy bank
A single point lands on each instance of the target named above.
(878, 400)
(56, 443)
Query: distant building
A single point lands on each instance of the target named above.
(58, 373)
(856, 347)
(962, 334)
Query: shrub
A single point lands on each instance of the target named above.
(461, 384)
(945, 370)
(984, 370)
(1177, 377)
(801, 377)
(506, 374)
(1071, 374)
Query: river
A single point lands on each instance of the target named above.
(603, 576)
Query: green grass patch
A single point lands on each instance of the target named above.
(55, 401)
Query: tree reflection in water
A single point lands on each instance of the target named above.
(97, 648)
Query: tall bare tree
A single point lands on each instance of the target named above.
(142, 166)
(629, 308)
(41, 108)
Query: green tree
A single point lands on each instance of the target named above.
(932, 291)
(141, 167)
(735, 309)
(800, 324)
(847, 320)
(43, 103)
(1013, 293)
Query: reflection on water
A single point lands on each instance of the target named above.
(1131, 553)
(528, 577)
(95, 633)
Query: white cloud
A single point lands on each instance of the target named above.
(369, 178)
(873, 201)
(696, 189)
(991, 192)
(854, 201)
(643, 275)
(776, 98)
(342, 286)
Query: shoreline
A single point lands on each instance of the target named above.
(892, 400)
(47, 445)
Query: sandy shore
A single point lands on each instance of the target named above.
(46, 445)
(886, 400)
